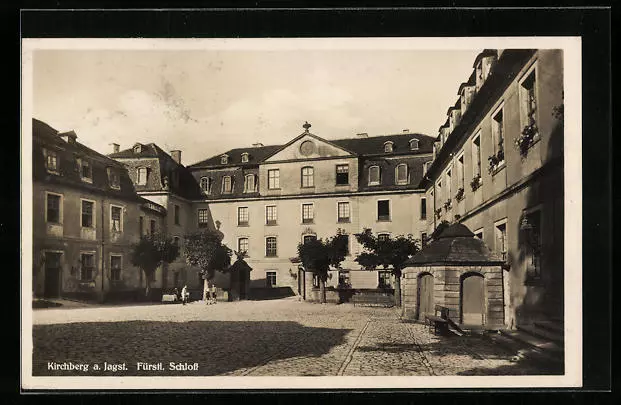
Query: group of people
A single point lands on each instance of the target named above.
(210, 294)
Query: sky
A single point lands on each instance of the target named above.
(205, 102)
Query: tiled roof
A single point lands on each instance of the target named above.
(373, 145)
(46, 137)
(456, 245)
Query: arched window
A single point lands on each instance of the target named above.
(401, 174)
(206, 185)
(374, 176)
(413, 144)
(308, 177)
(388, 146)
(137, 148)
(142, 176)
(227, 184)
(250, 183)
(224, 159)
(244, 157)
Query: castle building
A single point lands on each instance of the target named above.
(86, 217)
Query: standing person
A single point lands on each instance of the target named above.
(184, 294)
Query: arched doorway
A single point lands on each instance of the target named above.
(472, 299)
(425, 296)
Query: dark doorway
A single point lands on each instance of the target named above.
(243, 276)
(473, 300)
(52, 275)
(425, 296)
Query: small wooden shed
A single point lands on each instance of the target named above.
(459, 272)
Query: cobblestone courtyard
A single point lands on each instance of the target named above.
(258, 338)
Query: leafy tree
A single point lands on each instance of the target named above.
(204, 249)
(152, 251)
(318, 255)
(387, 253)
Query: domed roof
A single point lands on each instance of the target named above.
(456, 245)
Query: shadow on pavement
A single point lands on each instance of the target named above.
(218, 347)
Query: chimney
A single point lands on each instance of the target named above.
(68, 137)
(176, 155)
(115, 147)
(258, 144)
(362, 135)
(406, 131)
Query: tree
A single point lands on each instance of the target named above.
(204, 249)
(318, 255)
(150, 252)
(387, 253)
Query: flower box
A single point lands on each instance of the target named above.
(460, 194)
(476, 182)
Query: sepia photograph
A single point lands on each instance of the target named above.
(301, 213)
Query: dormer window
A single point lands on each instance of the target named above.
(86, 170)
(142, 176)
(413, 144)
(227, 185)
(206, 183)
(388, 147)
(137, 148)
(401, 174)
(374, 176)
(250, 183)
(51, 160)
(114, 178)
(244, 157)
(224, 159)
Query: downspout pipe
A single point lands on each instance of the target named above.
(103, 256)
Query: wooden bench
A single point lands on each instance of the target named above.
(373, 300)
(439, 321)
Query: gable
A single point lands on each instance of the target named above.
(308, 146)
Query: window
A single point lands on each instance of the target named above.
(116, 262)
(343, 212)
(114, 178)
(316, 282)
(142, 176)
(250, 184)
(344, 279)
(87, 265)
(342, 175)
(270, 215)
(115, 216)
(532, 229)
(206, 183)
(244, 157)
(423, 208)
(242, 216)
(529, 99)
(273, 179)
(152, 227)
(51, 160)
(307, 213)
(501, 239)
(401, 174)
(423, 239)
(388, 146)
(53, 208)
(86, 170)
(498, 135)
(141, 226)
(87, 214)
(177, 214)
(374, 176)
(478, 233)
(242, 245)
(347, 253)
(270, 246)
(270, 278)
(308, 177)
(460, 171)
(414, 144)
(227, 185)
(203, 217)
(224, 159)
(308, 238)
(383, 237)
(476, 155)
(439, 190)
(448, 184)
(383, 278)
(176, 241)
(137, 148)
(383, 210)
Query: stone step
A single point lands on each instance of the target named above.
(543, 333)
(552, 326)
(535, 342)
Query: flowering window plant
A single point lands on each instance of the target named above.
(525, 140)
(476, 182)
(460, 194)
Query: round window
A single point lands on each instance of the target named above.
(307, 148)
